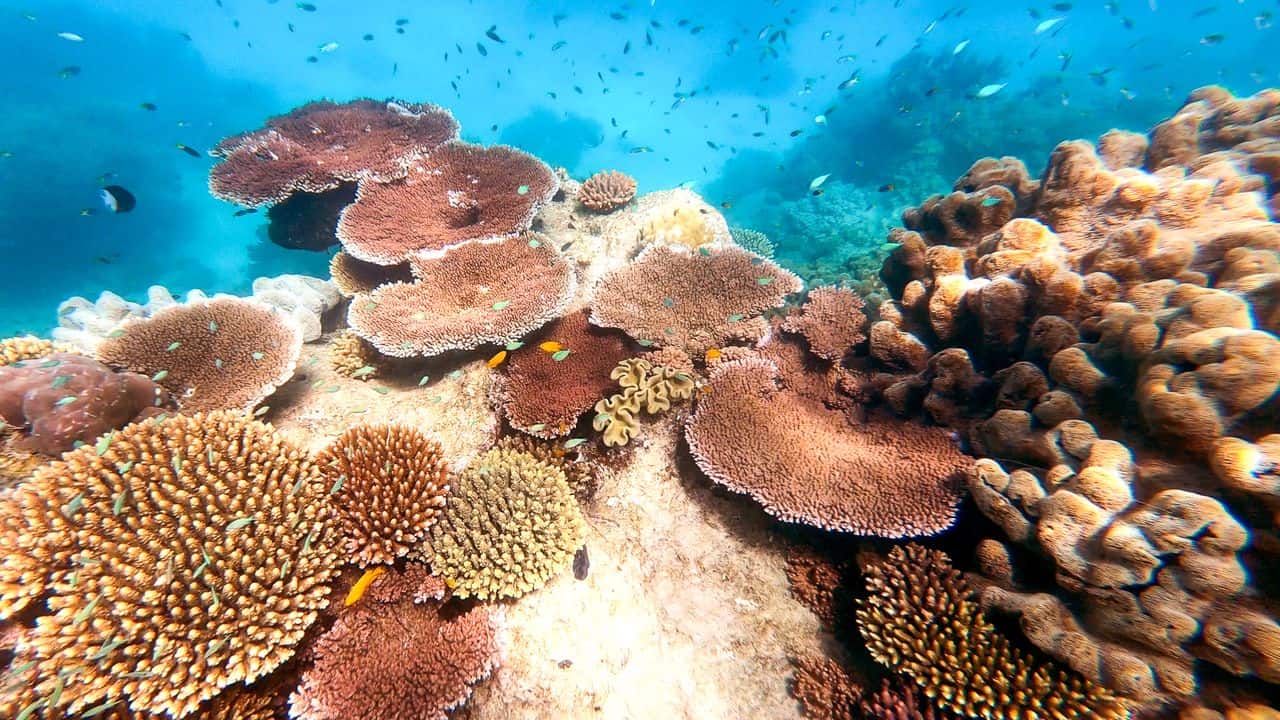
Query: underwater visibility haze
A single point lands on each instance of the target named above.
(890, 359)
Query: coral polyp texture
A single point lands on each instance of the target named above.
(806, 463)
(65, 400)
(456, 194)
(919, 619)
(184, 555)
(389, 485)
(646, 388)
(474, 294)
(684, 220)
(831, 320)
(26, 347)
(580, 473)
(752, 241)
(393, 657)
(321, 145)
(690, 299)
(352, 276)
(224, 353)
(352, 356)
(510, 525)
(607, 191)
(544, 393)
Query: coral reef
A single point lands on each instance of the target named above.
(578, 472)
(607, 191)
(458, 194)
(645, 387)
(304, 300)
(919, 619)
(815, 581)
(187, 554)
(353, 276)
(390, 483)
(831, 320)
(824, 689)
(474, 294)
(510, 525)
(65, 400)
(27, 347)
(544, 393)
(322, 145)
(224, 353)
(684, 220)
(352, 356)
(752, 241)
(805, 463)
(693, 300)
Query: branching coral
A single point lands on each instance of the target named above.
(510, 525)
(66, 400)
(824, 689)
(578, 471)
(457, 194)
(352, 356)
(752, 241)
(185, 555)
(475, 294)
(225, 353)
(831, 320)
(646, 388)
(806, 463)
(919, 619)
(607, 191)
(27, 347)
(694, 300)
(390, 485)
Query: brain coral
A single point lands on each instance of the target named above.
(224, 353)
(511, 523)
(831, 320)
(919, 619)
(319, 146)
(393, 658)
(391, 485)
(607, 191)
(457, 194)
(694, 300)
(188, 554)
(805, 463)
(544, 396)
(645, 387)
(66, 400)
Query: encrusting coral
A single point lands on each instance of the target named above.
(474, 294)
(919, 619)
(607, 191)
(511, 523)
(184, 555)
(646, 388)
(390, 483)
(224, 353)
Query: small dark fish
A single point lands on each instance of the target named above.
(566, 246)
(558, 45)
(117, 199)
(555, 19)
(148, 106)
(368, 37)
(401, 22)
(189, 150)
(581, 563)
(617, 15)
(313, 59)
(881, 40)
(1061, 7)
(626, 48)
(712, 145)
(244, 211)
(492, 34)
(306, 7)
(796, 133)
(291, 28)
(480, 47)
(399, 31)
(69, 71)
(1212, 39)
(887, 187)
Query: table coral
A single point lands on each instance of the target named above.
(646, 388)
(831, 320)
(607, 191)
(224, 353)
(353, 276)
(186, 555)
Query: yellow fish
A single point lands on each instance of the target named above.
(357, 590)
(497, 359)
(550, 346)
(713, 354)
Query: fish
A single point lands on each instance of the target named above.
(640, 149)
(989, 90)
(816, 183)
(581, 563)
(492, 34)
(712, 354)
(117, 199)
(881, 40)
(148, 106)
(368, 37)
(329, 47)
(480, 47)
(1212, 39)
(497, 359)
(357, 591)
(887, 187)
(70, 36)
(69, 71)
(188, 150)
(960, 46)
(558, 45)
(550, 346)
(1048, 25)
(853, 80)
(305, 6)
(244, 211)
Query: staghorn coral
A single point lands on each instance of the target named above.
(475, 294)
(65, 400)
(645, 387)
(458, 194)
(224, 353)
(578, 472)
(684, 220)
(390, 484)
(831, 319)
(322, 145)
(607, 191)
(919, 619)
(397, 656)
(352, 276)
(189, 555)
(900, 700)
(510, 525)
(752, 241)
(352, 356)
(693, 300)
(806, 463)
(543, 393)
(27, 347)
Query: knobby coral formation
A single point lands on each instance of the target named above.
(684, 220)
(831, 320)
(580, 474)
(66, 400)
(693, 300)
(187, 554)
(919, 619)
(752, 241)
(224, 353)
(806, 463)
(646, 388)
(510, 525)
(607, 191)
(352, 356)
(474, 294)
(26, 347)
(389, 485)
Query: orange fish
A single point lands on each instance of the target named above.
(357, 590)
(497, 359)
(713, 354)
(550, 346)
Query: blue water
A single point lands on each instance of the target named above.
(726, 94)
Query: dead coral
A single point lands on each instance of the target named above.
(607, 191)
(645, 388)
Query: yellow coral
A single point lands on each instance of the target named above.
(684, 221)
(352, 356)
(644, 387)
(26, 347)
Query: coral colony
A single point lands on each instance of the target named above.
(345, 498)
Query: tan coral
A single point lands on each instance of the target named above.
(352, 276)
(607, 191)
(684, 220)
(646, 388)
(831, 320)
(352, 356)
(26, 347)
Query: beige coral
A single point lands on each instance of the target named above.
(646, 388)
(684, 220)
(607, 191)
